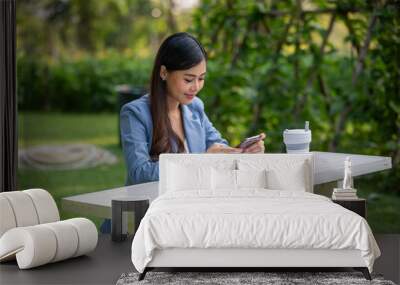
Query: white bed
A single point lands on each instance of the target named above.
(200, 223)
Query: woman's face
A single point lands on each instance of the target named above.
(184, 85)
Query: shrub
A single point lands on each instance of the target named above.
(85, 84)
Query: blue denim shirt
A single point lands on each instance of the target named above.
(137, 133)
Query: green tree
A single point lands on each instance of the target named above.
(275, 64)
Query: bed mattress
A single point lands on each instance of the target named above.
(250, 219)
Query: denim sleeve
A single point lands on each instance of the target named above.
(140, 167)
(212, 134)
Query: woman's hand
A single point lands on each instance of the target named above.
(257, 147)
(221, 148)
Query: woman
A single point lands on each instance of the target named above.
(171, 118)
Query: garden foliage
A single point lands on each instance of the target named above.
(275, 64)
(272, 65)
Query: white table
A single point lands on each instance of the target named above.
(329, 167)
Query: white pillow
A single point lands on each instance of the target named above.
(223, 179)
(251, 178)
(294, 178)
(282, 173)
(183, 177)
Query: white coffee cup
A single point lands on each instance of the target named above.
(297, 140)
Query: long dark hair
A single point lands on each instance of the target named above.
(179, 51)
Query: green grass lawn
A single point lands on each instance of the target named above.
(102, 130)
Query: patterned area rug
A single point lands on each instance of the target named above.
(230, 278)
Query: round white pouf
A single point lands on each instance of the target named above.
(40, 244)
(67, 240)
(46, 207)
(87, 234)
(7, 216)
(33, 246)
(24, 211)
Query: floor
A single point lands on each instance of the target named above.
(103, 266)
(389, 262)
(110, 260)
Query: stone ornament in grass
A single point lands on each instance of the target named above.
(64, 157)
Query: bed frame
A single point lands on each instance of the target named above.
(241, 259)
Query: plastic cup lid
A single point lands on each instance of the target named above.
(296, 131)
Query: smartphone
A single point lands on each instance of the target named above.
(249, 141)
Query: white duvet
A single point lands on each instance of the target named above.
(250, 219)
